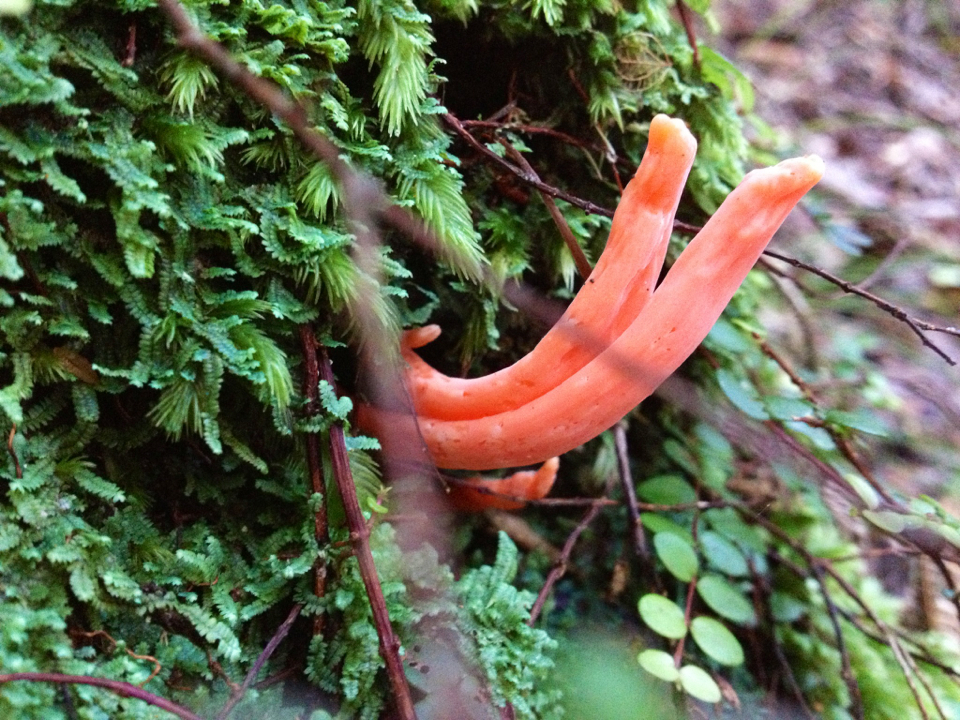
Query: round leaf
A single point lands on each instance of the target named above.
(659, 664)
(744, 397)
(716, 641)
(696, 682)
(786, 608)
(677, 555)
(723, 554)
(726, 600)
(657, 523)
(662, 616)
(667, 490)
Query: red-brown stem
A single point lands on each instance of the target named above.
(526, 177)
(687, 21)
(915, 324)
(560, 567)
(311, 389)
(688, 606)
(360, 538)
(13, 453)
(626, 479)
(583, 265)
(123, 689)
(261, 660)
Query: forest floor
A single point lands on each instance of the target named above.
(871, 86)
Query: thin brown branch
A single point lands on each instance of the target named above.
(360, 538)
(560, 567)
(583, 265)
(18, 471)
(535, 182)
(915, 324)
(521, 174)
(626, 481)
(761, 582)
(131, 55)
(827, 471)
(817, 567)
(123, 689)
(687, 20)
(688, 605)
(261, 660)
(920, 654)
(490, 124)
(311, 390)
(843, 444)
(846, 669)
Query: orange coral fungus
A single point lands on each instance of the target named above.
(509, 493)
(617, 289)
(664, 333)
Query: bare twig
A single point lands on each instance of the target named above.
(843, 444)
(846, 671)
(560, 567)
(523, 175)
(626, 480)
(491, 124)
(535, 182)
(311, 389)
(261, 660)
(761, 582)
(915, 324)
(827, 471)
(687, 22)
(131, 55)
(360, 538)
(157, 666)
(123, 689)
(583, 265)
(691, 588)
(18, 471)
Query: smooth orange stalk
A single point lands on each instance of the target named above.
(663, 335)
(526, 484)
(617, 289)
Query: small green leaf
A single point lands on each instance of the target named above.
(659, 524)
(667, 490)
(726, 336)
(866, 492)
(860, 420)
(817, 435)
(717, 641)
(82, 584)
(663, 616)
(723, 554)
(726, 600)
(698, 683)
(892, 522)
(781, 408)
(659, 664)
(786, 608)
(677, 555)
(743, 398)
(728, 523)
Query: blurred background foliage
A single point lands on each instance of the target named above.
(162, 239)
